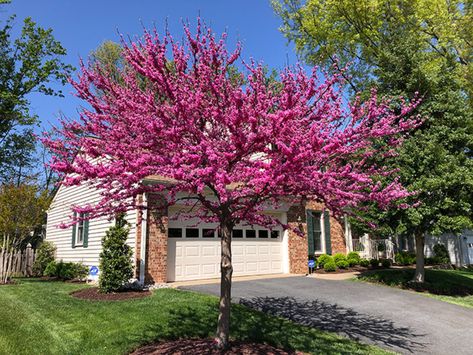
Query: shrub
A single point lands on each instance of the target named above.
(386, 263)
(354, 255)
(441, 254)
(66, 271)
(364, 262)
(116, 267)
(353, 262)
(339, 257)
(51, 269)
(374, 262)
(404, 258)
(330, 266)
(322, 259)
(342, 264)
(44, 255)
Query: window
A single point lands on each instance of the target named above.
(314, 231)
(250, 233)
(237, 233)
(262, 234)
(80, 231)
(208, 233)
(317, 232)
(192, 233)
(175, 233)
(274, 234)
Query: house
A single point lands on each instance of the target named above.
(169, 249)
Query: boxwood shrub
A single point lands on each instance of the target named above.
(339, 257)
(330, 266)
(66, 271)
(342, 264)
(323, 259)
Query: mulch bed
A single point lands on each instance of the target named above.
(93, 294)
(342, 271)
(9, 282)
(206, 347)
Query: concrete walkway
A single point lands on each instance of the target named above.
(394, 319)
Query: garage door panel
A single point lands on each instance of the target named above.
(251, 267)
(209, 269)
(238, 250)
(238, 267)
(192, 250)
(192, 270)
(193, 259)
(251, 250)
(209, 250)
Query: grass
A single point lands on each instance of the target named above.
(41, 317)
(453, 286)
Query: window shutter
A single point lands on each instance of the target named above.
(328, 243)
(310, 231)
(74, 231)
(86, 232)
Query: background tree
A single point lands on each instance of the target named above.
(28, 64)
(404, 47)
(22, 211)
(230, 151)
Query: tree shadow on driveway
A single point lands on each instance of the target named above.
(344, 321)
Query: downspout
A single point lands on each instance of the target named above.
(144, 232)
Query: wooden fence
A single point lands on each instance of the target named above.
(17, 263)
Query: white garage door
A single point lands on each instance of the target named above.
(194, 253)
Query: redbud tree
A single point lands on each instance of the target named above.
(231, 147)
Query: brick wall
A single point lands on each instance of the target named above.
(156, 245)
(298, 246)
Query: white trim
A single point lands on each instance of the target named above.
(144, 231)
(285, 246)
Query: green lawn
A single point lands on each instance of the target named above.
(41, 317)
(454, 286)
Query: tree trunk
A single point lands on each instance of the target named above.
(420, 270)
(226, 269)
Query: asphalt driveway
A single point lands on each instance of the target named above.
(397, 320)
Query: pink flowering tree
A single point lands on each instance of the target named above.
(231, 147)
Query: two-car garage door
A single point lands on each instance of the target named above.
(194, 252)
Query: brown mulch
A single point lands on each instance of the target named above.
(9, 282)
(206, 347)
(342, 271)
(93, 294)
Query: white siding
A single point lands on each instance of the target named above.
(60, 210)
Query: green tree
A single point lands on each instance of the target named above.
(116, 267)
(403, 47)
(28, 64)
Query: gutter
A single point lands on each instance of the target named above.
(144, 233)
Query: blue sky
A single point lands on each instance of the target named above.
(82, 25)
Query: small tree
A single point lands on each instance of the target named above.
(45, 254)
(228, 148)
(116, 267)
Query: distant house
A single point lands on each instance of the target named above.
(172, 249)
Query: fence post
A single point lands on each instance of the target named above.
(29, 260)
